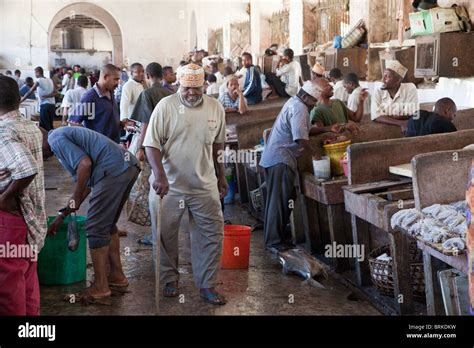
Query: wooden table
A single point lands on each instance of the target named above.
(433, 262)
(249, 129)
(374, 204)
(402, 170)
(254, 178)
(330, 195)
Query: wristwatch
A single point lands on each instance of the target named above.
(61, 212)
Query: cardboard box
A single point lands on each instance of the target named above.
(436, 20)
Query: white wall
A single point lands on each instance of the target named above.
(213, 14)
(296, 26)
(261, 12)
(98, 39)
(358, 9)
(88, 61)
(151, 30)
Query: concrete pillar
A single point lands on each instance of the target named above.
(226, 39)
(260, 33)
(296, 26)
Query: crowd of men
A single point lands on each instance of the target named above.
(177, 124)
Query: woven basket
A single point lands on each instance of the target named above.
(381, 272)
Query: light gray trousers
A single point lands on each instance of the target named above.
(206, 223)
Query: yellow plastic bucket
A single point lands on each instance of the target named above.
(336, 152)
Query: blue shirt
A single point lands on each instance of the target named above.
(252, 86)
(72, 144)
(24, 89)
(426, 123)
(98, 113)
(292, 124)
(228, 103)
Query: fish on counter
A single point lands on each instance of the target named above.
(454, 244)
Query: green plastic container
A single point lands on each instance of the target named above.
(57, 265)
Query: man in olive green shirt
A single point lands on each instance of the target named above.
(333, 111)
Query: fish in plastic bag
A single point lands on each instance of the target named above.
(299, 262)
(72, 236)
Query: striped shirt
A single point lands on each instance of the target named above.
(228, 103)
(21, 157)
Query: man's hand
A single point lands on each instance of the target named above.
(404, 128)
(128, 124)
(337, 128)
(353, 128)
(54, 226)
(161, 185)
(363, 95)
(4, 174)
(223, 186)
(140, 155)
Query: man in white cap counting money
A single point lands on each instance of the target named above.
(184, 138)
(395, 102)
(288, 138)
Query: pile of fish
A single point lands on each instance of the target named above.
(449, 216)
(436, 224)
(298, 261)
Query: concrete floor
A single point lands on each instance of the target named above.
(261, 290)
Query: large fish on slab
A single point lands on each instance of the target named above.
(298, 261)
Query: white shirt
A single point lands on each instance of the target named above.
(290, 75)
(130, 92)
(19, 81)
(340, 92)
(405, 102)
(73, 97)
(45, 86)
(353, 102)
(219, 77)
(243, 73)
(185, 137)
(223, 88)
(213, 88)
(67, 84)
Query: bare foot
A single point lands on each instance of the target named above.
(95, 293)
(122, 233)
(118, 281)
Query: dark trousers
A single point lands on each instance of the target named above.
(47, 113)
(277, 84)
(281, 195)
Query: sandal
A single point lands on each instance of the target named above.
(86, 298)
(119, 285)
(171, 289)
(213, 298)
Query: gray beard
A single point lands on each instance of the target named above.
(188, 104)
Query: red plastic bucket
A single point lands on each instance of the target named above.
(236, 247)
(345, 166)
